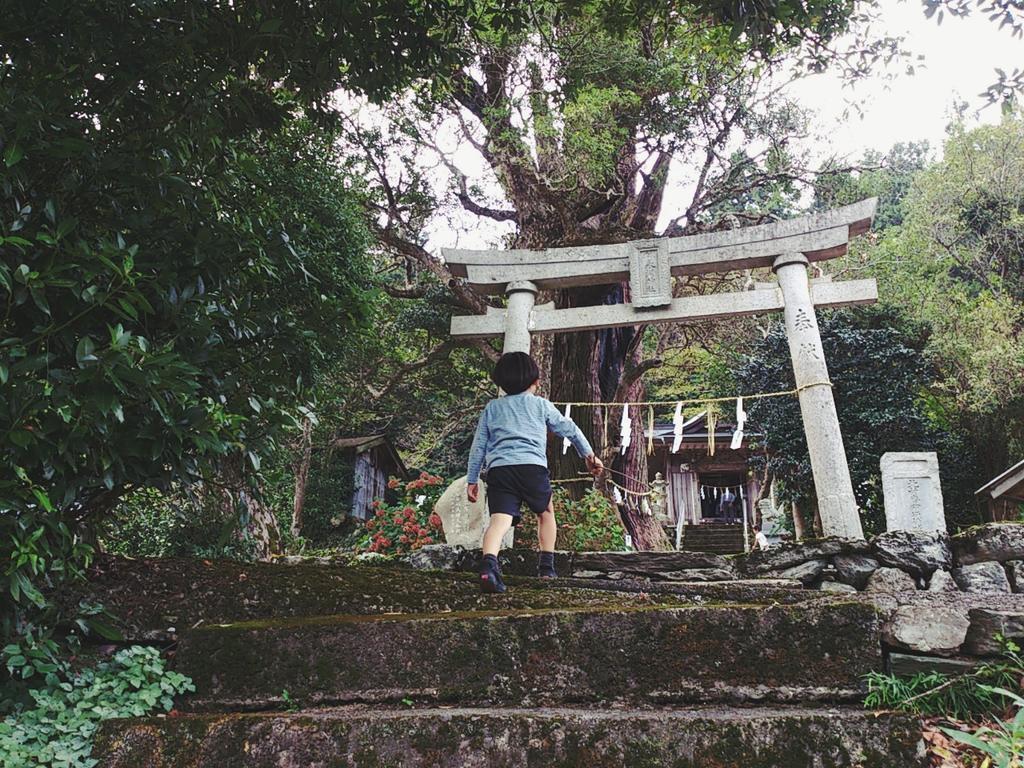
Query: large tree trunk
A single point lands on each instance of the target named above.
(588, 367)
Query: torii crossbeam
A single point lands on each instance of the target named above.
(787, 247)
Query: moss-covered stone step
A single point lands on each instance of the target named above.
(157, 598)
(548, 738)
(800, 653)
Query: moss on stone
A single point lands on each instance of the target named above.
(155, 596)
(779, 738)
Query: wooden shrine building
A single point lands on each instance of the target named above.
(1003, 497)
(373, 459)
(708, 496)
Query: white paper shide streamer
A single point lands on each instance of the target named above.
(616, 495)
(741, 420)
(677, 428)
(625, 428)
(565, 440)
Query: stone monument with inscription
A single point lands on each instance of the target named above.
(912, 492)
(464, 521)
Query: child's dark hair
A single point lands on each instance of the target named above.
(515, 372)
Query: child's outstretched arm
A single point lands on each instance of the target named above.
(563, 426)
(477, 454)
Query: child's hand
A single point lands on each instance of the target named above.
(595, 465)
(472, 492)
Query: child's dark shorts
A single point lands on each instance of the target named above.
(511, 486)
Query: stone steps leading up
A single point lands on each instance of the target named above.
(653, 659)
(713, 538)
(502, 738)
(639, 654)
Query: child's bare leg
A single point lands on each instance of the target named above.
(496, 530)
(547, 528)
(547, 532)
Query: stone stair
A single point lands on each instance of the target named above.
(386, 667)
(715, 538)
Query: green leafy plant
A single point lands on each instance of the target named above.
(958, 697)
(1002, 743)
(410, 524)
(290, 704)
(590, 524)
(58, 728)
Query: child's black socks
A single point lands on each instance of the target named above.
(546, 565)
(490, 576)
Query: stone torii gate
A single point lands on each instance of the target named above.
(786, 246)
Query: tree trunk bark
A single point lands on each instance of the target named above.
(302, 476)
(799, 529)
(587, 367)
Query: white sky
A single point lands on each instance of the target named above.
(960, 60)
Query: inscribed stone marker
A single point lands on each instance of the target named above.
(464, 522)
(912, 492)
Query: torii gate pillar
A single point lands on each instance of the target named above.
(836, 503)
(522, 295)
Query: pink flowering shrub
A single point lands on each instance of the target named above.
(412, 522)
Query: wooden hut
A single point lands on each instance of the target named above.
(373, 459)
(1003, 495)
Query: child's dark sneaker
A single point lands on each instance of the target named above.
(490, 576)
(546, 565)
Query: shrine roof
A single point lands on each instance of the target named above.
(1009, 485)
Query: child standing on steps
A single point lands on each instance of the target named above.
(511, 439)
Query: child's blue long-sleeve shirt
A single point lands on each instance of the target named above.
(514, 430)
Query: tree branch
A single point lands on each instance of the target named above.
(465, 295)
(406, 292)
(631, 375)
(438, 353)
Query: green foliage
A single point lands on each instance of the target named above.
(1003, 742)
(958, 697)
(886, 176)
(290, 704)
(328, 496)
(151, 523)
(955, 266)
(173, 269)
(879, 376)
(589, 524)
(396, 529)
(933, 693)
(57, 728)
